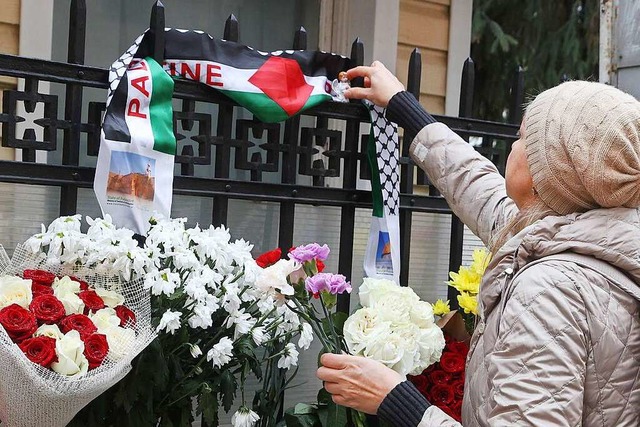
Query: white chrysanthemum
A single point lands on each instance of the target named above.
(221, 353)
(289, 358)
(244, 417)
(259, 335)
(275, 277)
(201, 318)
(306, 336)
(162, 282)
(170, 322)
(195, 350)
(243, 323)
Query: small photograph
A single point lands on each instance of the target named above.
(131, 175)
(383, 253)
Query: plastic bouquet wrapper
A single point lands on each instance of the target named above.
(34, 395)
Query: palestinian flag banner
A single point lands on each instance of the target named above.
(382, 255)
(134, 172)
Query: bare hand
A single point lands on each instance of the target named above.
(357, 382)
(380, 84)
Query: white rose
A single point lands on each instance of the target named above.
(363, 328)
(430, 343)
(393, 351)
(15, 290)
(394, 310)
(119, 340)
(71, 302)
(51, 331)
(111, 299)
(70, 352)
(421, 314)
(374, 290)
(104, 319)
(65, 285)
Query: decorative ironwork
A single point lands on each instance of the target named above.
(289, 149)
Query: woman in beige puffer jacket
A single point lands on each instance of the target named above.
(558, 340)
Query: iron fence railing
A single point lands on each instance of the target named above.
(222, 143)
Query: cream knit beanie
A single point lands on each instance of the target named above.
(583, 147)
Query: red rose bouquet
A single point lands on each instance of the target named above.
(443, 382)
(63, 340)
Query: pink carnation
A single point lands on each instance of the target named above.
(332, 283)
(309, 252)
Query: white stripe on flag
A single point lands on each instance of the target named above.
(139, 90)
(225, 77)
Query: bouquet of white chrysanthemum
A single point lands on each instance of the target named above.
(215, 325)
(394, 327)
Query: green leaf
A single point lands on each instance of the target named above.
(337, 416)
(208, 403)
(338, 320)
(304, 408)
(228, 384)
(329, 299)
(301, 420)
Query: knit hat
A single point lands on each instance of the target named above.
(582, 143)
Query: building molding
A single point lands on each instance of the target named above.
(461, 13)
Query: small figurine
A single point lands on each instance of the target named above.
(339, 86)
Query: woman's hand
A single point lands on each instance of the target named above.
(380, 84)
(357, 382)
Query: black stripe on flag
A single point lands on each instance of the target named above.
(115, 126)
(190, 45)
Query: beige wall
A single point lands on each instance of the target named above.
(425, 24)
(9, 38)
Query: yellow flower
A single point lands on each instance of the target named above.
(481, 258)
(440, 307)
(468, 303)
(465, 280)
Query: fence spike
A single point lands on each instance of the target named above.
(300, 39)
(466, 89)
(231, 29)
(77, 31)
(156, 29)
(415, 73)
(357, 58)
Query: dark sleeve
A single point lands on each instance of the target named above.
(404, 406)
(405, 110)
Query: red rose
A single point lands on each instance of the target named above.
(19, 323)
(125, 315)
(83, 285)
(269, 258)
(91, 300)
(420, 381)
(319, 265)
(40, 350)
(80, 323)
(458, 388)
(441, 394)
(95, 349)
(38, 289)
(439, 377)
(456, 409)
(458, 347)
(452, 362)
(40, 277)
(47, 309)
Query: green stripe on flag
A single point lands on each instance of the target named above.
(376, 187)
(161, 109)
(266, 109)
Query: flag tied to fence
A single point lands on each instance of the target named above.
(135, 168)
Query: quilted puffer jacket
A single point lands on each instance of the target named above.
(558, 344)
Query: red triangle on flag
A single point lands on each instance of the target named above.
(282, 80)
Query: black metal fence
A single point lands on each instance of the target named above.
(289, 148)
